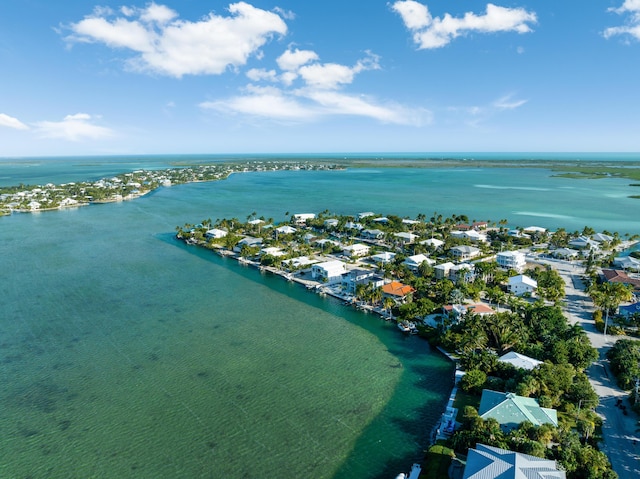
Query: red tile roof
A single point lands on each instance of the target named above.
(395, 288)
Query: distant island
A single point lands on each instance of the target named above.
(126, 186)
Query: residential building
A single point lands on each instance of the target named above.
(510, 410)
(511, 260)
(471, 235)
(360, 276)
(584, 242)
(519, 361)
(356, 250)
(618, 276)
(216, 233)
(329, 271)
(406, 238)
(400, 293)
(464, 252)
(285, 230)
(488, 462)
(414, 262)
(372, 234)
(365, 214)
(522, 284)
(301, 218)
(441, 271)
(433, 243)
(384, 257)
(330, 223)
(457, 311)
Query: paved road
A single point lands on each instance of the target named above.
(619, 431)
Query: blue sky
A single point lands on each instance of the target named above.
(284, 76)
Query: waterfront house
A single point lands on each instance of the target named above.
(249, 241)
(399, 292)
(457, 311)
(464, 252)
(216, 233)
(365, 214)
(479, 225)
(255, 222)
(489, 462)
(356, 250)
(328, 271)
(627, 263)
(360, 276)
(511, 260)
(535, 230)
(301, 218)
(601, 238)
(298, 263)
(382, 220)
(510, 410)
(522, 284)
(414, 262)
(584, 242)
(272, 251)
(519, 361)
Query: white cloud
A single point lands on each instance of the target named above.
(75, 127)
(317, 94)
(630, 8)
(435, 32)
(508, 103)
(264, 102)
(260, 74)
(292, 60)
(164, 44)
(11, 122)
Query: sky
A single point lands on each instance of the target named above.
(85, 77)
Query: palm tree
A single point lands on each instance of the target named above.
(608, 296)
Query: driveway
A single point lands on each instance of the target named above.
(621, 441)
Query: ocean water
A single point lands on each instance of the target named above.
(124, 353)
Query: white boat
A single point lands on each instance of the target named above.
(404, 328)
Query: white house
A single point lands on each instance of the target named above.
(519, 360)
(301, 218)
(471, 235)
(565, 253)
(350, 225)
(285, 230)
(383, 258)
(360, 276)
(583, 242)
(432, 242)
(356, 250)
(414, 262)
(272, 251)
(464, 252)
(365, 214)
(627, 263)
(216, 233)
(522, 284)
(511, 260)
(406, 238)
(329, 271)
(441, 271)
(488, 462)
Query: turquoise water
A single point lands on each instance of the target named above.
(126, 354)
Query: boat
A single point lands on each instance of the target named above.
(404, 328)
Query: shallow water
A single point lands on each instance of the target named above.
(124, 353)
